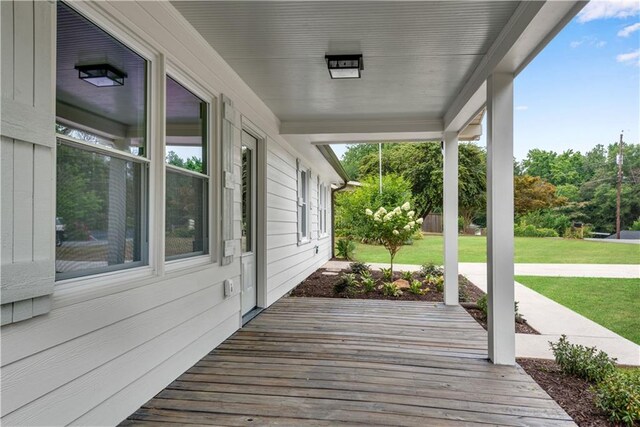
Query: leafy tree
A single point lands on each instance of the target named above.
(539, 163)
(353, 157)
(533, 193)
(421, 165)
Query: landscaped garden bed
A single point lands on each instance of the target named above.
(361, 282)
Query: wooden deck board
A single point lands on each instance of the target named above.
(314, 361)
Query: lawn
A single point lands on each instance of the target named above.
(528, 250)
(613, 303)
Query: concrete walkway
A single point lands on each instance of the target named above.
(547, 316)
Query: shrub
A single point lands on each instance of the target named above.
(438, 283)
(528, 230)
(387, 274)
(636, 225)
(350, 217)
(407, 275)
(359, 267)
(345, 249)
(368, 284)
(430, 269)
(346, 284)
(583, 362)
(391, 289)
(416, 288)
(482, 305)
(366, 274)
(618, 395)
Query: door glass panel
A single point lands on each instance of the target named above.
(247, 199)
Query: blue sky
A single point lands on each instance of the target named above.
(584, 87)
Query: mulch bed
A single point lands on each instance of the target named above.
(571, 393)
(320, 285)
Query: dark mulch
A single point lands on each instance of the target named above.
(572, 394)
(320, 285)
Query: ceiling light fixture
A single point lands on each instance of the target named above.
(101, 75)
(345, 66)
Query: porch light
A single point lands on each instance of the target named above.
(101, 75)
(344, 66)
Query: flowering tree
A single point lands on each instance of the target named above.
(392, 228)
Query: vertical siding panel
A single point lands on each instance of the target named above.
(6, 17)
(6, 180)
(23, 202)
(45, 46)
(42, 202)
(23, 51)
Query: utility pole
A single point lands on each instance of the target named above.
(619, 161)
(380, 165)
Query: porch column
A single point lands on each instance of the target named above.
(450, 217)
(500, 293)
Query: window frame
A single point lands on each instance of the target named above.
(302, 203)
(208, 255)
(322, 209)
(137, 46)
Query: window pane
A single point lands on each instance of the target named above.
(99, 205)
(186, 229)
(247, 199)
(186, 128)
(107, 115)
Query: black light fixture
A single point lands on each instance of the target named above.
(345, 66)
(101, 75)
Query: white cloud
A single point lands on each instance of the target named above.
(629, 29)
(602, 9)
(631, 58)
(522, 107)
(587, 41)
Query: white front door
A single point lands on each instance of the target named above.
(248, 257)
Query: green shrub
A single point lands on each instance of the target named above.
(546, 219)
(416, 288)
(583, 362)
(482, 305)
(387, 274)
(618, 395)
(391, 289)
(359, 267)
(366, 274)
(368, 284)
(407, 275)
(430, 269)
(438, 283)
(346, 284)
(345, 249)
(528, 230)
(636, 225)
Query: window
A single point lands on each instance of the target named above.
(187, 173)
(102, 168)
(322, 209)
(303, 204)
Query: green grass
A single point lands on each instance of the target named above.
(528, 250)
(613, 303)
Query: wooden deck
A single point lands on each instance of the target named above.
(315, 361)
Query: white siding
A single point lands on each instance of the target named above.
(109, 345)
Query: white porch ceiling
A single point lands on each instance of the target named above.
(416, 54)
(425, 62)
